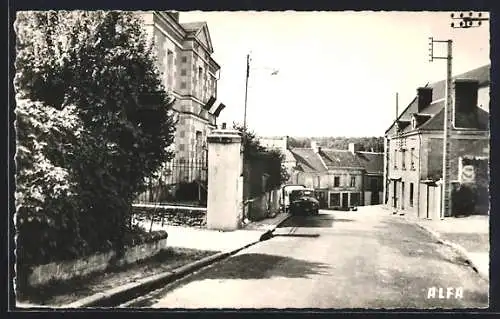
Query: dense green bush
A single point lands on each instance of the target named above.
(87, 136)
(261, 160)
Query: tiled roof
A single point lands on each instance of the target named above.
(339, 158)
(307, 160)
(482, 121)
(372, 162)
(481, 74)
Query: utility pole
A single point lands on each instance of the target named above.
(448, 126)
(246, 93)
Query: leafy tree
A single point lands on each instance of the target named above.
(87, 136)
(273, 160)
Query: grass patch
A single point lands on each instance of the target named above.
(64, 292)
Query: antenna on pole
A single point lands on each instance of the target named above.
(447, 128)
(470, 20)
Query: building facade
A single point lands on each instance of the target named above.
(414, 142)
(190, 74)
(341, 178)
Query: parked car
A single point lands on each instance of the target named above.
(285, 196)
(303, 202)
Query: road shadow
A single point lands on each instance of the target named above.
(318, 221)
(262, 266)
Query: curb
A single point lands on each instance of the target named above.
(131, 290)
(457, 248)
(268, 234)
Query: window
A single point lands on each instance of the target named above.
(183, 85)
(183, 72)
(353, 181)
(412, 158)
(334, 199)
(182, 147)
(170, 67)
(395, 159)
(336, 181)
(403, 159)
(184, 59)
(182, 133)
(200, 81)
(411, 194)
(355, 199)
(402, 195)
(198, 141)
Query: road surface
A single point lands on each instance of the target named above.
(363, 259)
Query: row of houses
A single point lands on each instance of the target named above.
(414, 143)
(406, 176)
(341, 178)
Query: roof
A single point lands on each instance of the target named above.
(193, 26)
(372, 162)
(308, 160)
(481, 74)
(339, 158)
(481, 121)
(311, 162)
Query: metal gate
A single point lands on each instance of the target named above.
(178, 182)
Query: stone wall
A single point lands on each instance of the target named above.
(59, 271)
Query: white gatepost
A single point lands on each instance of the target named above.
(225, 180)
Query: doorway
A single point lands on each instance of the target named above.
(345, 200)
(402, 195)
(395, 194)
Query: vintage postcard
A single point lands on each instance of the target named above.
(250, 160)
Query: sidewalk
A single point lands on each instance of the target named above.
(469, 236)
(206, 239)
(203, 245)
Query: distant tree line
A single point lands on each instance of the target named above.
(375, 144)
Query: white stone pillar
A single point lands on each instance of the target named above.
(225, 180)
(275, 205)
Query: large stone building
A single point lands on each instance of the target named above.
(414, 142)
(190, 74)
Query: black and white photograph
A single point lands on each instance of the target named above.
(251, 160)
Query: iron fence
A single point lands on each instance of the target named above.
(178, 181)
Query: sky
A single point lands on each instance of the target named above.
(338, 71)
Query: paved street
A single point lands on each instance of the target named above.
(363, 259)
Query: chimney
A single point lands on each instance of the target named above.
(315, 147)
(353, 148)
(424, 97)
(466, 96)
(465, 106)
